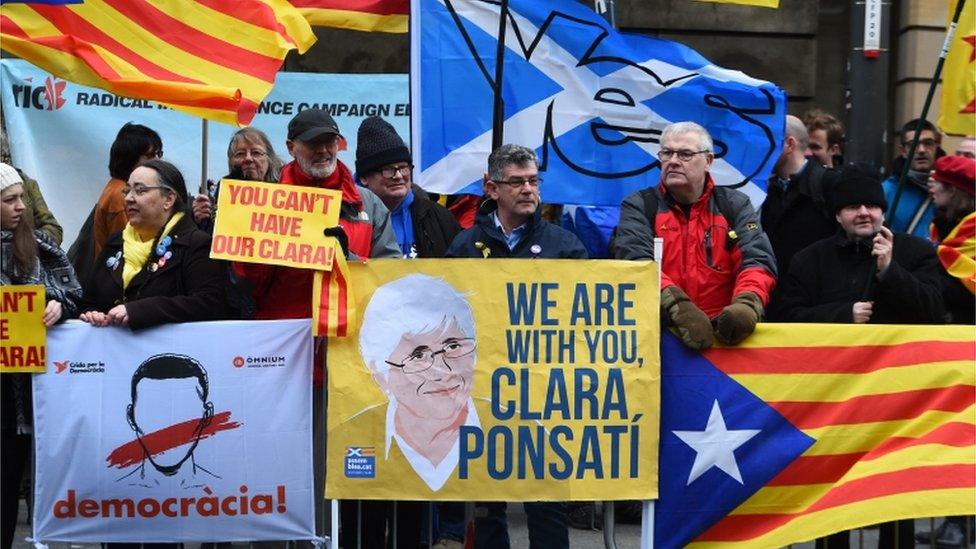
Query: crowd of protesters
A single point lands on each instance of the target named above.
(816, 251)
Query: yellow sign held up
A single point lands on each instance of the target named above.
(22, 332)
(275, 224)
(510, 379)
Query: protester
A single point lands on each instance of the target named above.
(718, 267)
(133, 144)
(795, 213)
(864, 273)
(966, 147)
(37, 209)
(251, 157)
(423, 228)
(952, 186)
(285, 292)
(158, 269)
(914, 209)
(510, 224)
(825, 138)
(27, 256)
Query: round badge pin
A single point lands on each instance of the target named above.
(536, 249)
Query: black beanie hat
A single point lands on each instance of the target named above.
(377, 145)
(859, 184)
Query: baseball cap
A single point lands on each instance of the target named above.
(311, 123)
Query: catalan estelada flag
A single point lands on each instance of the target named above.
(360, 15)
(957, 114)
(216, 59)
(808, 429)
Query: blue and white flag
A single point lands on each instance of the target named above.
(590, 100)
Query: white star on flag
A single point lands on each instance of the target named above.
(715, 446)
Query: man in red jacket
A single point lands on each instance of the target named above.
(285, 292)
(718, 267)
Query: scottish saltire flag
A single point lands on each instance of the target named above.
(591, 101)
(809, 429)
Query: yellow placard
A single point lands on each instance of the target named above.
(275, 224)
(22, 332)
(500, 380)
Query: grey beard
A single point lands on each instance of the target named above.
(317, 173)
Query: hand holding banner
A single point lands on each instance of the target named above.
(275, 224)
(22, 332)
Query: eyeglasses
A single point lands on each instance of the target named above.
(140, 189)
(255, 154)
(153, 154)
(684, 155)
(927, 143)
(518, 182)
(390, 173)
(422, 358)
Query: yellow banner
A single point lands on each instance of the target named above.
(502, 380)
(958, 112)
(22, 332)
(275, 224)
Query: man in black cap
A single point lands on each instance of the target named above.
(423, 227)
(864, 273)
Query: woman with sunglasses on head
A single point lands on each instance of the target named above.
(26, 257)
(158, 268)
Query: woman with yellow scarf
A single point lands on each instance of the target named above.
(158, 268)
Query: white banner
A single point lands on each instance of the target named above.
(187, 432)
(60, 132)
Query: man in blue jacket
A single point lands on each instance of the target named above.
(509, 223)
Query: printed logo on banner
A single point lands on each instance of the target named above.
(76, 367)
(360, 462)
(268, 361)
(28, 96)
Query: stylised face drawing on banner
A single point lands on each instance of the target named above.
(418, 340)
(154, 384)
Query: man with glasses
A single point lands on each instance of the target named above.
(914, 213)
(718, 267)
(423, 227)
(509, 223)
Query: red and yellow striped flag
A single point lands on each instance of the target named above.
(957, 114)
(333, 305)
(957, 252)
(360, 15)
(892, 410)
(216, 59)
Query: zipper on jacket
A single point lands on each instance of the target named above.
(708, 246)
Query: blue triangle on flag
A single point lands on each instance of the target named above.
(690, 385)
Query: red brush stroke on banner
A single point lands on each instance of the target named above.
(168, 438)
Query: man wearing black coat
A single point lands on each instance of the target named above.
(864, 273)
(423, 227)
(796, 212)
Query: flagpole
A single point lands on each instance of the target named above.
(204, 138)
(498, 109)
(950, 33)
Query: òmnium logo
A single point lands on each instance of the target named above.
(75, 367)
(271, 361)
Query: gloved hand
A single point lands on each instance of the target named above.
(738, 319)
(691, 324)
(339, 234)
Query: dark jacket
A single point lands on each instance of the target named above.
(828, 277)
(795, 218)
(190, 286)
(541, 239)
(434, 228)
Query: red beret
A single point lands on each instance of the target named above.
(957, 171)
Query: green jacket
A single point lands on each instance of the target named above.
(38, 212)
